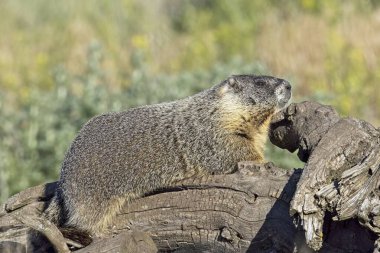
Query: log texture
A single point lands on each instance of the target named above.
(247, 210)
(342, 173)
(335, 203)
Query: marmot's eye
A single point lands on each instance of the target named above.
(260, 83)
(252, 100)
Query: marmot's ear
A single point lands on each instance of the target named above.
(234, 84)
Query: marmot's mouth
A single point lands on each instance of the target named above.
(283, 102)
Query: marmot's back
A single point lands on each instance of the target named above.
(120, 156)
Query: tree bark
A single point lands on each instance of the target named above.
(341, 176)
(335, 202)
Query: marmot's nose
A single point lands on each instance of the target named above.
(286, 85)
(283, 92)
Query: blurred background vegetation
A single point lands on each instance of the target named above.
(62, 62)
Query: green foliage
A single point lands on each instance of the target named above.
(347, 82)
(36, 135)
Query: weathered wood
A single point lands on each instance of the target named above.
(244, 211)
(301, 126)
(26, 208)
(126, 242)
(227, 213)
(30, 195)
(29, 217)
(342, 171)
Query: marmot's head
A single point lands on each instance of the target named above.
(247, 104)
(261, 92)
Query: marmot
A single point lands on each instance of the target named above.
(120, 156)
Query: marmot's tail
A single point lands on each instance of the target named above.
(53, 211)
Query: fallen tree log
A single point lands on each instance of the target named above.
(342, 174)
(226, 213)
(247, 211)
